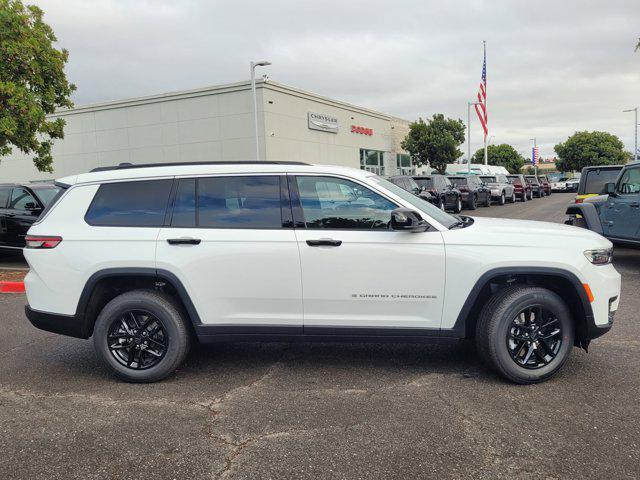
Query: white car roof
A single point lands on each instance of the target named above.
(133, 172)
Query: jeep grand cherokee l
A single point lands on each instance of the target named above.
(147, 259)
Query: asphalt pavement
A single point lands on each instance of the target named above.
(312, 411)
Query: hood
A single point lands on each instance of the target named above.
(525, 233)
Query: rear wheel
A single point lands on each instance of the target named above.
(141, 336)
(472, 202)
(487, 200)
(524, 196)
(513, 197)
(503, 199)
(458, 207)
(525, 333)
(442, 204)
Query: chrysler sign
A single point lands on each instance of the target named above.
(320, 121)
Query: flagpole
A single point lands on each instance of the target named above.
(486, 95)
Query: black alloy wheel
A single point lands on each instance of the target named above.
(534, 337)
(137, 339)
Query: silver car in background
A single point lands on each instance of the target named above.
(502, 190)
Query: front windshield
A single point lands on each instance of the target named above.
(424, 182)
(434, 212)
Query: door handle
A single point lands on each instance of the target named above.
(324, 242)
(183, 241)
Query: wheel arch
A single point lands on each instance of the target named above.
(563, 282)
(104, 285)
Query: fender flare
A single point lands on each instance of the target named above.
(459, 329)
(589, 213)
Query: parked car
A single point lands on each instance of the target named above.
(546, 186)
(473, 189)
(616, 213)
(147, 259)
(501, 188)
(594, 179)
(447, 197)
(409, 184)
(20, 206)
(573, 184)
(537, 189)
(559, 184)
(521, 186)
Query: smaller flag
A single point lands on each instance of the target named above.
(534, 156)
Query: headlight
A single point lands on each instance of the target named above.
(601, 256)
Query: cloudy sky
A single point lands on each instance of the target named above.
(554, 67)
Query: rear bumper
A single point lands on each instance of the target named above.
(69, 325)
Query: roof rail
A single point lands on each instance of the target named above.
(124, 166)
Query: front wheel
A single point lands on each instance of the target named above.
(472, 202)
(503, 199)
(141, 336)
(525, 333)
(513, 197)
(442, 204)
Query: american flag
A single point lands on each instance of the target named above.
(535, 156)
(481, 109)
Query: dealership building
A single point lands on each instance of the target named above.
(216, 124)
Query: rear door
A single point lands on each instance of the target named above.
(230, 242)
(358, 276)
(622, 210)
(5, 194)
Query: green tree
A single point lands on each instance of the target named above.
(502, 155)
(32, 83)
(435, 142)
(584, 149)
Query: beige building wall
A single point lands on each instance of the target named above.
(208, 124)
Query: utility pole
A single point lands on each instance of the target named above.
(469, 133)
(635, 127)
(253, 66)
(533, 155)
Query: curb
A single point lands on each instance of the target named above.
(11, 287)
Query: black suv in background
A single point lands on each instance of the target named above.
(20, 207)
(447, 197)
(409, 184)
(474, 191)
(537, 190)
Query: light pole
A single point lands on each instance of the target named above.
(469, 134)
(635, 126)
(533, 153)
(253, 66)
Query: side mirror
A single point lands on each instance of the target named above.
(31, 206)
(610, 188)
(407, 220)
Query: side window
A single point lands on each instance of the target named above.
(184, 205)
(5, 193)
(239, 202)
(20, 198)
(336, 203)
(630, 181)
(130, 204)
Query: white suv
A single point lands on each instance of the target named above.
(148, 258)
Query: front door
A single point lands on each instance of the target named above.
(231, 244)
(21, 213)
(622, 211)
(357, 275)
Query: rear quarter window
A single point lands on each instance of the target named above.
(130, 204)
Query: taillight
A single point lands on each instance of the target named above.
(578, 200)
(37, 241)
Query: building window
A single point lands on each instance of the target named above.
(372, 161)
(403, 164)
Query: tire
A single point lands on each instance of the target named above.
(442, 204)
(524, 197)
(496, 324)
(472, 202)
(458, 207)
(487, 200)
(503, 199)
(531, 195)
(169, 322)
(513, 197)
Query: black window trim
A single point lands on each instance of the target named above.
(296, 204)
